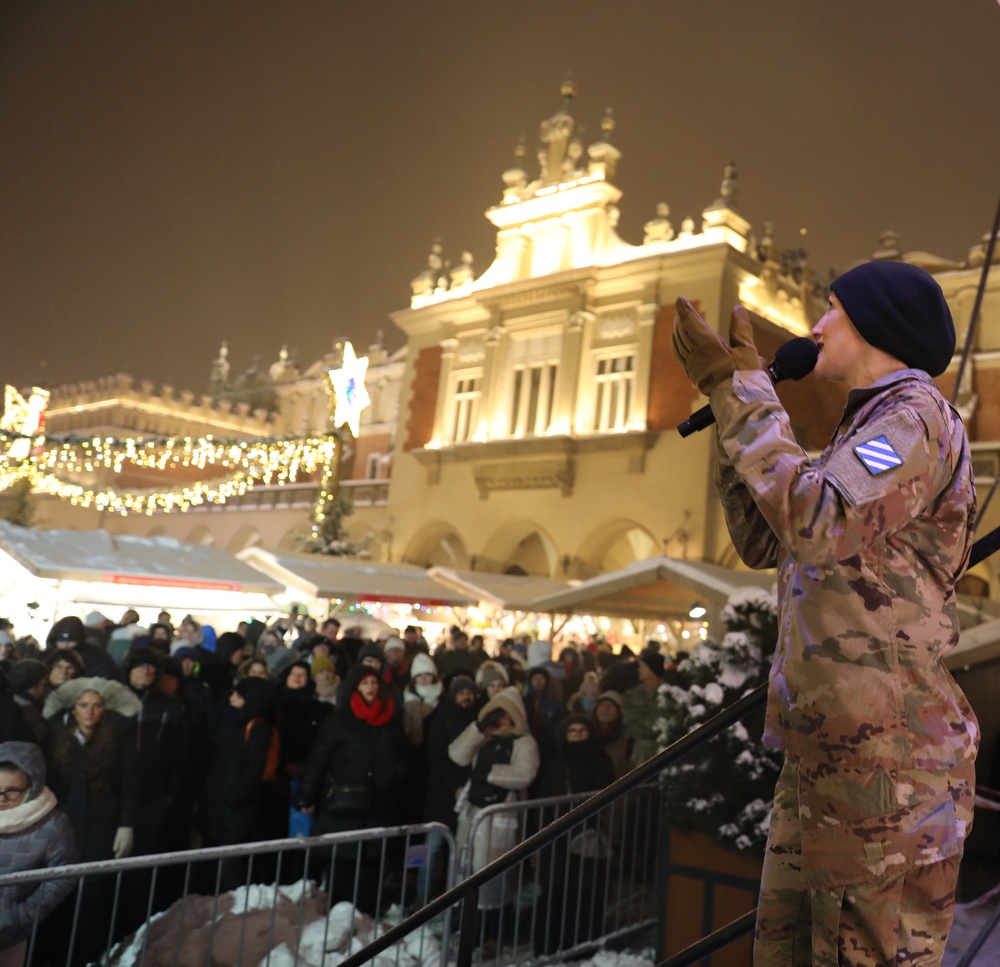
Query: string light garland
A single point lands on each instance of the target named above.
(240, 464)
(233, 466)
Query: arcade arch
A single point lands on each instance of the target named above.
(522, 547)
(200, 535)
(246, 536)
(437, 544)
(613, 546)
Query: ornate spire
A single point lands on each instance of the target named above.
(607, 125)
(568, 91)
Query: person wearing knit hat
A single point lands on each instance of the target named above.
(491, 677)
(870, 539)
(29, 684)
(420, 699)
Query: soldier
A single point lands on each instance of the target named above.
(876, 795)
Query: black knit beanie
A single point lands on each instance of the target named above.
(901, 310)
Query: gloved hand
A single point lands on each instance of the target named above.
(705, 356)
(124, 838)
(490, 719)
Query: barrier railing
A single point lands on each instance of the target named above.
(242, 905)
(592, 884)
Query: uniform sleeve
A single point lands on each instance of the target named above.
(755, 542)
(877, 479)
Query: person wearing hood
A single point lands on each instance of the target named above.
(159, 746)
(445, 778)
(273, 650)
(584, 699)
(420, 698)
(504, 761)
(299, 714)
(609, 732)
(218, 667)
(572, 871)
(34, 835)
(236, 789)
(353, 776)
(91, 756)
(491, 679)
(69, 632)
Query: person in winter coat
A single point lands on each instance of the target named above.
(62, 665)
(13, 727)
(237, 798)
(34, 835)
(504, 761)
(572, 871)
(352, 778)
(445, 778)
(69, 632)
(159, 746)
(491, 679)
(91, 758)
(420, 697)
(29, 684)
(609, 732)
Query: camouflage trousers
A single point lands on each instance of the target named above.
(861, 865)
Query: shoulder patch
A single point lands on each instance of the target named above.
(878, 455)
(880, 458)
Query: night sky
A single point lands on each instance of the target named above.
(180, 172)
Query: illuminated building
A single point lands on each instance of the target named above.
(528, 424)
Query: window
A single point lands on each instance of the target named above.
(465, 408)
(613, 384)
(371, 466)
(531, 398)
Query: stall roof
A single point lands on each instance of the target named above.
(656, 588)
(511, 592)
(320, 576)
(99, 557)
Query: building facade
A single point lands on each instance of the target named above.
(527, 424)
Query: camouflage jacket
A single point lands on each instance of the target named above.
(869, 540)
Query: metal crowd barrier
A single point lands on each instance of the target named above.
(301, 902)
(589, 886)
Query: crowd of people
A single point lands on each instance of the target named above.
(167, 738)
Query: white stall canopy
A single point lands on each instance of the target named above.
(45, 574)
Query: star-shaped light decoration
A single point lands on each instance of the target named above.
(350, 395)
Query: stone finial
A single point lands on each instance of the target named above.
(727, 190)
(888, 247)
(462, 274)
(659, 229)
(426, 282)
(687, 227)
(767, 251)
(977, 254)
(220, 367)
(516, 178)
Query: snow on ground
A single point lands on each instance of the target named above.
(260, 926)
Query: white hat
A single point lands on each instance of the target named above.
(94, 619)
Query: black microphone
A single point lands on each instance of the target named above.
(795, 359)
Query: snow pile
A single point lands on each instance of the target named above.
(281, 926)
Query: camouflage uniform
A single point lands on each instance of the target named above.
(876, 796)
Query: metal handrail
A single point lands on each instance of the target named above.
(712, 942)
(468, 889)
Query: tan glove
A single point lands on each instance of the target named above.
(705, 356)
(124, 840)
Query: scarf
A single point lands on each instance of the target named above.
(424, 693)
(378, 713)
(22, 817)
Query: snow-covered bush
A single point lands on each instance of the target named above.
(725, 787)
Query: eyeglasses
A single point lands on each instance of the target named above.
(12, 794)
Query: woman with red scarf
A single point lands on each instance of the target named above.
(352, 777)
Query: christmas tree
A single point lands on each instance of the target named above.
(725, 787)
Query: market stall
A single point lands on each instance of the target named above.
(46, 574)
(662, 598)
(356, 591)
